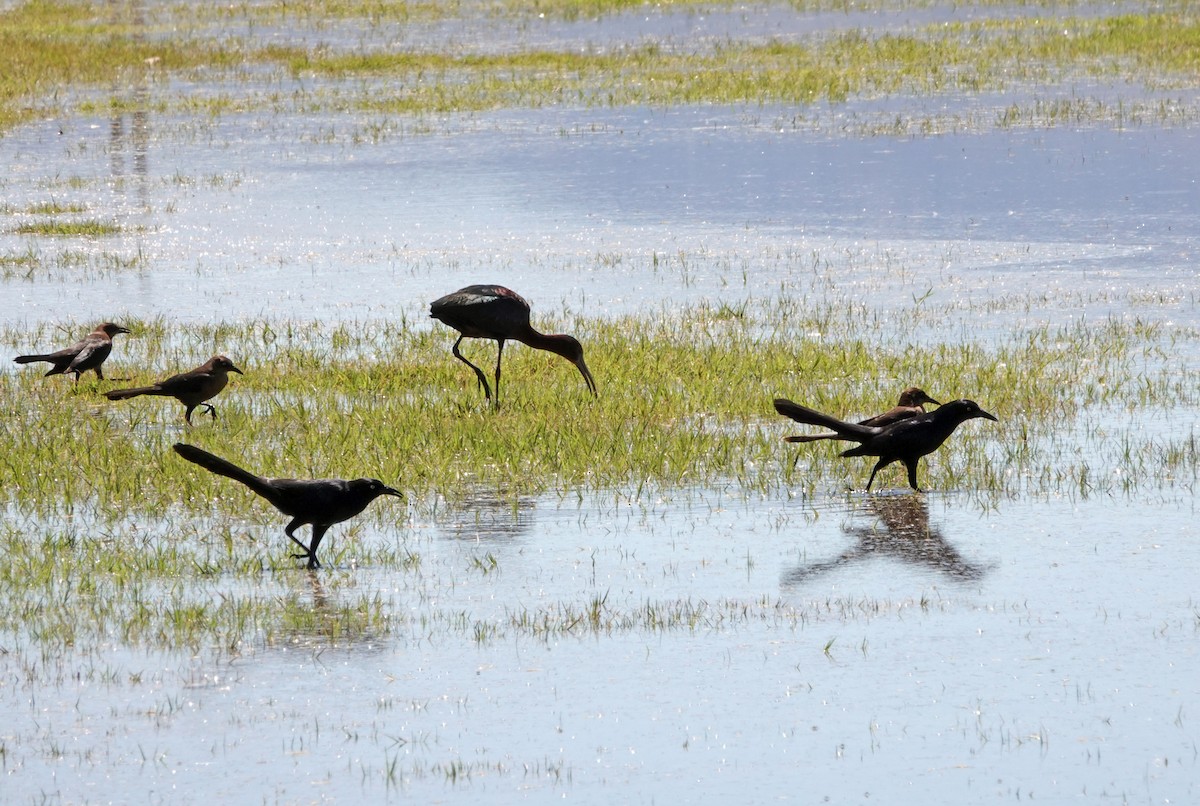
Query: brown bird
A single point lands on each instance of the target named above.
(912, 402)
(190, 388)
(87, 353)
(906, 441)
(319, 502)
(495, 312)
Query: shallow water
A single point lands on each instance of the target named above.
(697, 644)
(849, 650)
(656, 210)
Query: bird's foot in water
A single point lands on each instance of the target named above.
(312, 560)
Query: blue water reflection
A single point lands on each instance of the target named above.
(606, 218)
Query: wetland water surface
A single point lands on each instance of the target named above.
(694, 644)
(714, 648)
(651, 209)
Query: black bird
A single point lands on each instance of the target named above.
(87, 353)
(190, 388)
(911, 403)
(906, 441)
(496, 312)
(320, 502)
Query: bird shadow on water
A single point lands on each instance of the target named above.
(899, 530)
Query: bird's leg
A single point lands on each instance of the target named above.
(211, 410)
(187, 414)
(880, 465)
(487, 392)
(499, 353)
(317, 533)
(289, 530)
(912, 474)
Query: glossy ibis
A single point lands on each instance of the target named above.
(499, 313)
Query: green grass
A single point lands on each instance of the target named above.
(379, 11)
(960, 58)
(684, 401)
(52, 208)
(91, 228)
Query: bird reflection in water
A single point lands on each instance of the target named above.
(902, 531)
(487, 517)
(320, 599)
(313, 618)
(129, 126)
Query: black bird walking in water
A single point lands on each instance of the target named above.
(320, 502)
(496, 312)
(190, 388)
(906, 441)
(911, 403)
(87, 353)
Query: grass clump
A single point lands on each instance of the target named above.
(55, 208)
(91, 228)
(19, 264)
(962, 57)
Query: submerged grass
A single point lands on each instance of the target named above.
(47, 47)
(81, 588)
(961, 58)
(68, 263)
